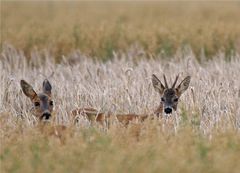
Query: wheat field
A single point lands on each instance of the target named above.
(204, 136)
(99, 28)
(102, 55)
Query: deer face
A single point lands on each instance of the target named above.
(42, 102)
(170, 96)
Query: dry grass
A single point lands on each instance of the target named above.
(204, 136)
(98, 28)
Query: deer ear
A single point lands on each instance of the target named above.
(158, 86)
(47, 88)
(27, 89)
(183, 86)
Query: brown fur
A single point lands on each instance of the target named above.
(168, 93)
(169, 96)
(42, 102)
(44, 106)
(93, 115)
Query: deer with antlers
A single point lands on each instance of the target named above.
(169, 96)
(169, 101)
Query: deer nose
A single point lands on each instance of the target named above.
(168, 110)
(46, 115)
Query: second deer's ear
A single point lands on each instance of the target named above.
(158, 86)
(183, 86)
(47, 88)
(27, 89)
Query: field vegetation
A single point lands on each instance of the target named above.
(98, 29)
(102, 55)
(202, 136)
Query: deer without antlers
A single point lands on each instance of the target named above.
(42, 109)
(42, 102)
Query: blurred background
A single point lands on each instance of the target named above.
(98, 29)
(104, 61)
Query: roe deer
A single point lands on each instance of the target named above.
(42, 109)
(94, 115)
(168, 103)
(169, 96)
(42, 102)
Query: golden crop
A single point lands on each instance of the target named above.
(99, 28)
(202, 136)
(134, 40)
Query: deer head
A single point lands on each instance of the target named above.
(170, 96)
(42, 102)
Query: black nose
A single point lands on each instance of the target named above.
(46, 116)
(168, 110)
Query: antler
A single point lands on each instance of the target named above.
(173, 86)
(165, 81)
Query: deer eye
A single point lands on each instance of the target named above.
(175, 100)
(51, 103)
(36, 104)
(162, 99)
